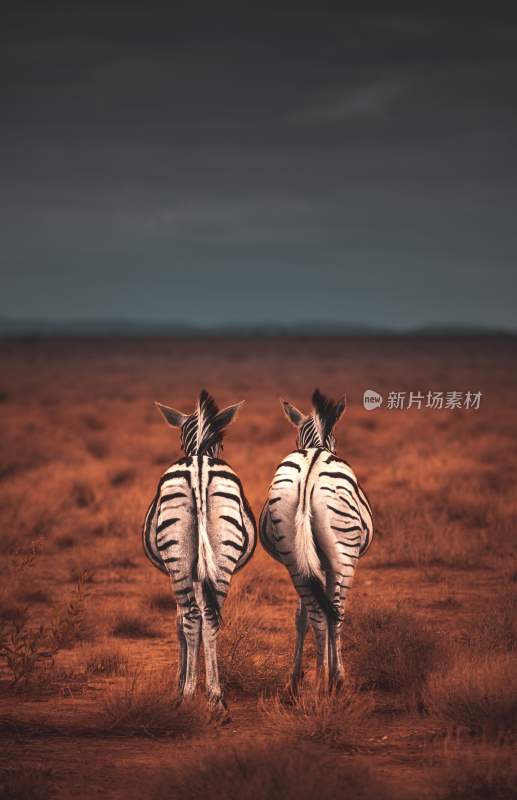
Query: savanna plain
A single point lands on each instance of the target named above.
(88, 649)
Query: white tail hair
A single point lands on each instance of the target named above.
(206, 564)
(306, 557)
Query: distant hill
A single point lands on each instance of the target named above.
(10, 328)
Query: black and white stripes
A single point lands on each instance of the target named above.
(317, 521)
(199, 530)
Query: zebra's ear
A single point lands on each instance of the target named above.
(226, 416)
(294, 416)
(172, 417)
(340, 408)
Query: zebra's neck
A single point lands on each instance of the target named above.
(211, 452)
(195, 437)
(309, 435)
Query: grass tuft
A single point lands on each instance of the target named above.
(32, 596)
(389, 650)
(495, 628)
(128, 627)
(476, 696)
(107, 662)
(337, 720)
(162, 601)
(147, 705)
(245, 661)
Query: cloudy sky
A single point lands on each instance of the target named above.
(167, 166)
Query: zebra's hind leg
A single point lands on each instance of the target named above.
(182, 662)
(191, 624)
(345, 572)
(335, 663)
(319, 624)
(210, 631)
(336, 670)
(301, 630)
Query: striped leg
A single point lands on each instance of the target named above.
(343, 583)
(182, 663)
(321, 634)
(210, 631)
(318, 620)
(302, 624)
(336, 670)
(191, 623)
(312, 614)
(335, 666)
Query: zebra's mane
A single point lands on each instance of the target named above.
(210, 429)
(326, 412)
(203, 430)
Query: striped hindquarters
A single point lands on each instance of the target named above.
(199, 524)
(345, 504)
(314, 502)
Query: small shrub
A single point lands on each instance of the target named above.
(124, 563)
(107, 662)
(93, 423)
(245, 664)
(69, 624)
(83, 495)
(12, 612)
(162, 601)
(147, 705)
(337, 719)
(79, 572)
(446, 604)
(32, 596)
(479, 697)
(97, 448)
(24, 648)
(27, 647)
(65, 542)
(389, 650)
(128, 627)
(122, 477)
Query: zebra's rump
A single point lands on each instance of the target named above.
(327, 486)
(230, 521)
(190, 489)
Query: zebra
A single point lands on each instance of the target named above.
(199, 530)
(317, 521)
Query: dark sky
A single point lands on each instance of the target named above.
(201, 166)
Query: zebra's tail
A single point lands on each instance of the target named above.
(306, 557)
(206, 564)
(324, 602)
(211, 601)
